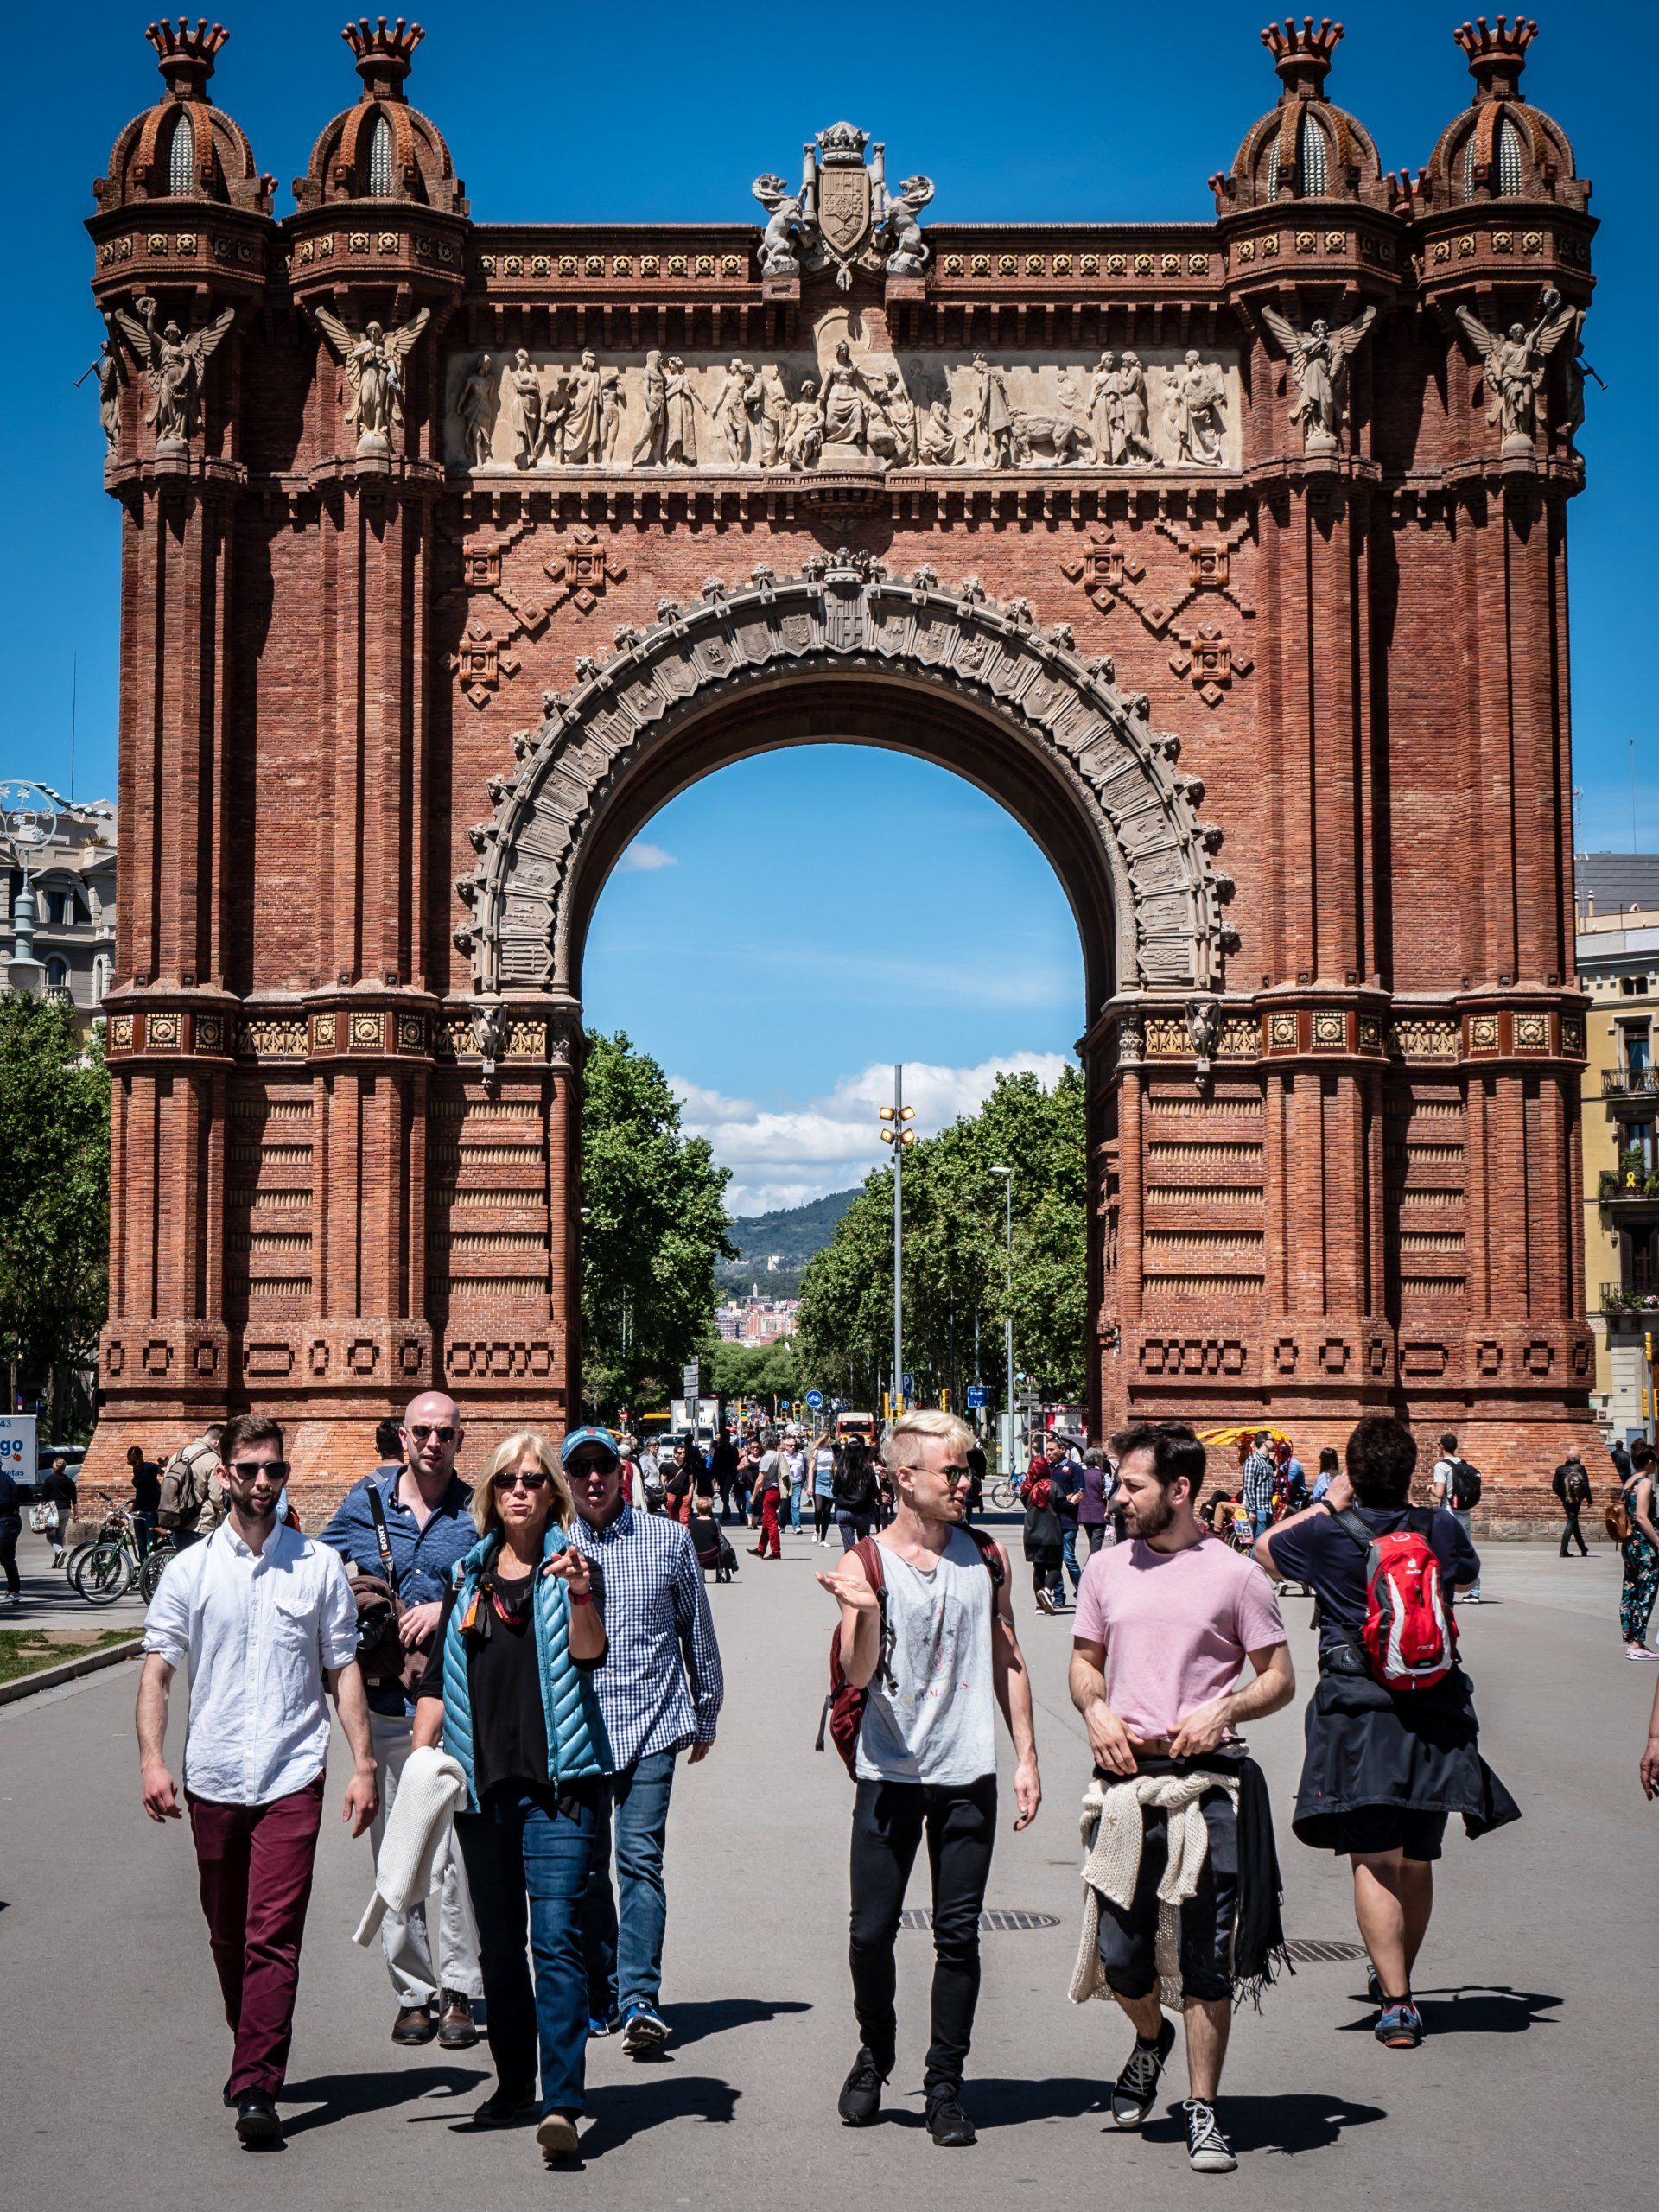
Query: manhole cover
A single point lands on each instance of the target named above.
(991, 1923)
(1308, 1951)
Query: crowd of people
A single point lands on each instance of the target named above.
(524, 1662)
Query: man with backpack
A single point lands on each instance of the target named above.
(925, 1654)
(1456, 1487)
(189, 1503)
(1392, 1739)
(1572, 1486)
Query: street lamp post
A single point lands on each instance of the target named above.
(1006, 1173)
(898, 1136)
(29, 822)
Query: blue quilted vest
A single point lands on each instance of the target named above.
(577, 1745)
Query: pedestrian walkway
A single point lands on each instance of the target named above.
(1536, 1991)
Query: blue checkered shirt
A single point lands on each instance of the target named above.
(660, 1686)
(1259, 1473)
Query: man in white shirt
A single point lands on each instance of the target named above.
(1452, 1489)
(265, 1619)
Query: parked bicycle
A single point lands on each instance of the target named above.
(106, 1569)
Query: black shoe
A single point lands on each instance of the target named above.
(947, 2123)
(414, 2024)
(256, 2117)
(508, 2107)
(1135, 2090)
(860, 2101)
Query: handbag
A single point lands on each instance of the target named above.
(388, 1661)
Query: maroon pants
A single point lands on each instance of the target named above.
(255, 1863)
(770, 1540)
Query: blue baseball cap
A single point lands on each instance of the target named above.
(578, 1437)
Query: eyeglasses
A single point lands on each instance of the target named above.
(420, 1430)
(944, 1474)
(518, 1479)
(251, 1469)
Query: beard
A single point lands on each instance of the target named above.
(1151, 1515)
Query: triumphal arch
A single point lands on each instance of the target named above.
(1229, 556)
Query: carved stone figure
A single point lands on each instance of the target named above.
(803, 432)
(173, 365)
(1106, 412)
(767, 407)
(610, 413)
(910, 254)
(938, 440)
(476, 408)
(680, 409)
(1318, 361)
(556, 411)
(528, 429)
(1515, 368)
(1038, 432)
(788, 227)
(582, 417)
(1193, 398)
(847, 401)
(729, 412)
(1202, 1032)
(108, 365)
(373, 360)
(1133, 411)
(990, 416)
(648, 447)
(898, 414)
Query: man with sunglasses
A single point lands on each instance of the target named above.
(426, 1510)
(265, 1620)
(660, 1688)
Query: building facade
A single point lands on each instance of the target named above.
(1229, 556)
(74, 935)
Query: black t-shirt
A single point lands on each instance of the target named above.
(58, 1487)
(1324, 1556)
(147, 1487)
(509, 1719)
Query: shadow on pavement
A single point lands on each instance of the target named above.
(1298, 2121)
(349, 2096)
(622, 2110)
(717, 2016)
(992, 2103)
(1483, 2009)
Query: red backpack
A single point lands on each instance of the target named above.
(843, 1709)
(1410, 1635)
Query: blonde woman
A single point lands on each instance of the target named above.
(509, 1693)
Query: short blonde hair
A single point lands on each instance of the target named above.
(526, 1444)
(927, 1420)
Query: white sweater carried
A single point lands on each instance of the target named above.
(1113, 1830)
(419, 1837)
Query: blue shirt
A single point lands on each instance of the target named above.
(1324, 1556)
(422, 1557)
(660, 1686)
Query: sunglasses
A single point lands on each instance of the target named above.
(519, 1480)
(420, 1430)
(251, 1469)
(581, 1467)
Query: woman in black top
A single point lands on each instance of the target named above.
(521, 1618)
(855, 1492)
(58, 1491)
(146, 1495)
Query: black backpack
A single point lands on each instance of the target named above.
(1463, 1492)
(1577, 1485)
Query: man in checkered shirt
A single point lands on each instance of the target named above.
(660, 1688)
(1259, 1473)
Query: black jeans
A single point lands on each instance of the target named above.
(1128, 1939)
(854, 1527)
(11, 1528)
(889, 1820)
(1573, 1534)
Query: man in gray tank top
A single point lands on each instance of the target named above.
(945, 1657)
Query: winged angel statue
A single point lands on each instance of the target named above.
(173, 365)
(373, 360)
(1319, 359)
(1514, 367)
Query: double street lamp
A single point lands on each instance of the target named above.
(896, 1132)
(1006, 1174)
(29, 822)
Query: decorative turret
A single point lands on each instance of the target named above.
(383, 149)
(184, 148)
(1501, 148)
(1306, 148)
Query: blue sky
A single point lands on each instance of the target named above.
(801, 976)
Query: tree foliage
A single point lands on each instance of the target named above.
(55, 1204)
(956, 1256)
(655, 1226)
(767, 1371)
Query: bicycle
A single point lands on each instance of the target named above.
(1004, 1494)
(107, 1569)
(161, 1549)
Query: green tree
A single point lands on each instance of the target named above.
(955, 1255)
(656, 1225)
(766, 1371)
(54, 1207)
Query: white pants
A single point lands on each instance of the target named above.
(403, 1936)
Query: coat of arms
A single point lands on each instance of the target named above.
(843, 216)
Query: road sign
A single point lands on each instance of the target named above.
(692, 1380)
(910, 1386)
(978, 1396)
(814, 1399)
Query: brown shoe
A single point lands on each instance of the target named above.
(456, 2029)
(415, 2023)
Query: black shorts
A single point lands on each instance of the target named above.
(1371, 1829)
(1128, 1940)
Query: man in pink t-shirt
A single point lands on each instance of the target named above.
(1163, 1627)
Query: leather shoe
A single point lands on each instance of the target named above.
(415, 2023)
(257, 2120)
(457, 2031)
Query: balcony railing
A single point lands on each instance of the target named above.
(1629, 1082)
(1640, 1189)
(1619, 1297)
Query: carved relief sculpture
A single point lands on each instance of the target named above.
(581, 416)
(108, 365)
(1132, 409)
(842, 216)
(173, 365)
(910, 253)
(990, 416)
(680, 409)
(730, 412)
(476, 408)
(1319, 359)
(788, 228)
(844, 403)
(803, 434)
(1514, 366)
(1193, 397)
(373, 360)
(938, 439)
(649, 446)
(527, 427)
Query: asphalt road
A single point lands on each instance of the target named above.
(1541, 1982)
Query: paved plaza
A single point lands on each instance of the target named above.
(1541, 1982)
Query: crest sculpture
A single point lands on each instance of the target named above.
(843, 217)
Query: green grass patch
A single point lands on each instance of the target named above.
(27, 1650)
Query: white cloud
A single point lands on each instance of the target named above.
(781, 1156)
(643, 858)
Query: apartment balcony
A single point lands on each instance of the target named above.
(1632, 1192)
(1619, 1300)
(1630, 1086)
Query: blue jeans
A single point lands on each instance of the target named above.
(1069, 1552)
(625, 1949)
(527, 1867)
(795, 1506)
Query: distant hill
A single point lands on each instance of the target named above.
(793, 1234)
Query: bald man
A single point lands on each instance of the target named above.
(429, 1525)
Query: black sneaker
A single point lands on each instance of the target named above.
(947, 2123)
(1135, 2090)
(508, 2107)
(860, 2101)
(1208, 2150)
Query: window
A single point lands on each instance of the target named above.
(63, 907)
(380, 160)
(1638, 1045)
(57, 975)
(182, 156)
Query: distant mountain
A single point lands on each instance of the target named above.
(793, 1236)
